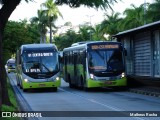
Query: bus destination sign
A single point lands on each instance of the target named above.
(40, 54)
(95, 47)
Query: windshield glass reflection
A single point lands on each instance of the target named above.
(40, 62)
(107, 61)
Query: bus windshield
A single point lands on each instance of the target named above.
(40, 62)
(105, 60)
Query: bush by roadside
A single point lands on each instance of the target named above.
(14, 107)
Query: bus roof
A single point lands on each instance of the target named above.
(11, 60)
(37, 46)
(84, 45)
(83, 42)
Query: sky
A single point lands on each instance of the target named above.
(74, 15)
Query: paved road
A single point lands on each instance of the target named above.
(67, 99)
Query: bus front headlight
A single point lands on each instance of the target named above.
(26, 80)
(122, 75)
(57, 78)
(91, 76)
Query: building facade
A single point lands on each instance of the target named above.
(143, 52)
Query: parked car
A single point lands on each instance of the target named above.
(10, 65)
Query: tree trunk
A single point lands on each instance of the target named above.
(0, 73)
(5, 12)
(50, 25)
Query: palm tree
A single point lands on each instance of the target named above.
(154, 11)
(98, 33)
(41, 21)
(134, 17)
(52, 12)
(110, 24)
(86, 32)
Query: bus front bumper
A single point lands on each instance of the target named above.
(11, 70)
(50, 84)
(108, 83)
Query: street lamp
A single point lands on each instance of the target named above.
(90, 17)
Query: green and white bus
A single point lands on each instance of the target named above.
(95, 64)
(37, 66)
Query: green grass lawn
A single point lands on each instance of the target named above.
(12, 98)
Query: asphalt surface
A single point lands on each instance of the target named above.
(76, 104)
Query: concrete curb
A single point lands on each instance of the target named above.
(23, 105)
(144, 92)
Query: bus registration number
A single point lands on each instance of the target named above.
(109, 82)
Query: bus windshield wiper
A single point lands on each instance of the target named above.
(46, 67)
(32, 62)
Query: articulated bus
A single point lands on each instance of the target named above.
(95, 64)
(37, 66)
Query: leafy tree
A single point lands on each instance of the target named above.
(51, 12)
(16, 34)
(90, 3)
(42, 22)
(98, 33)
(8, 7)
(110, 24)
(154, 11)
(134, 17)
(86, 32)
(65, 40)
(68, 24)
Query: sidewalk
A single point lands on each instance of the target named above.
(146, 90)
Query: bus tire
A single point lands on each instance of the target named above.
(25, 90)
(82, 82)
(54, 89)
(18, 82)
(20, 86)
(86, 89)
(121, 88)
(70, 84)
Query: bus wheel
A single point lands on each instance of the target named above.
(54, 89)
(20, 86)
(86, 89)
(82, 84)
(121, 88)
(25, 90)
(18, 83)
(71, 85)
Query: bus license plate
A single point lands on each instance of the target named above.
(42, 85)
(109, 82)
